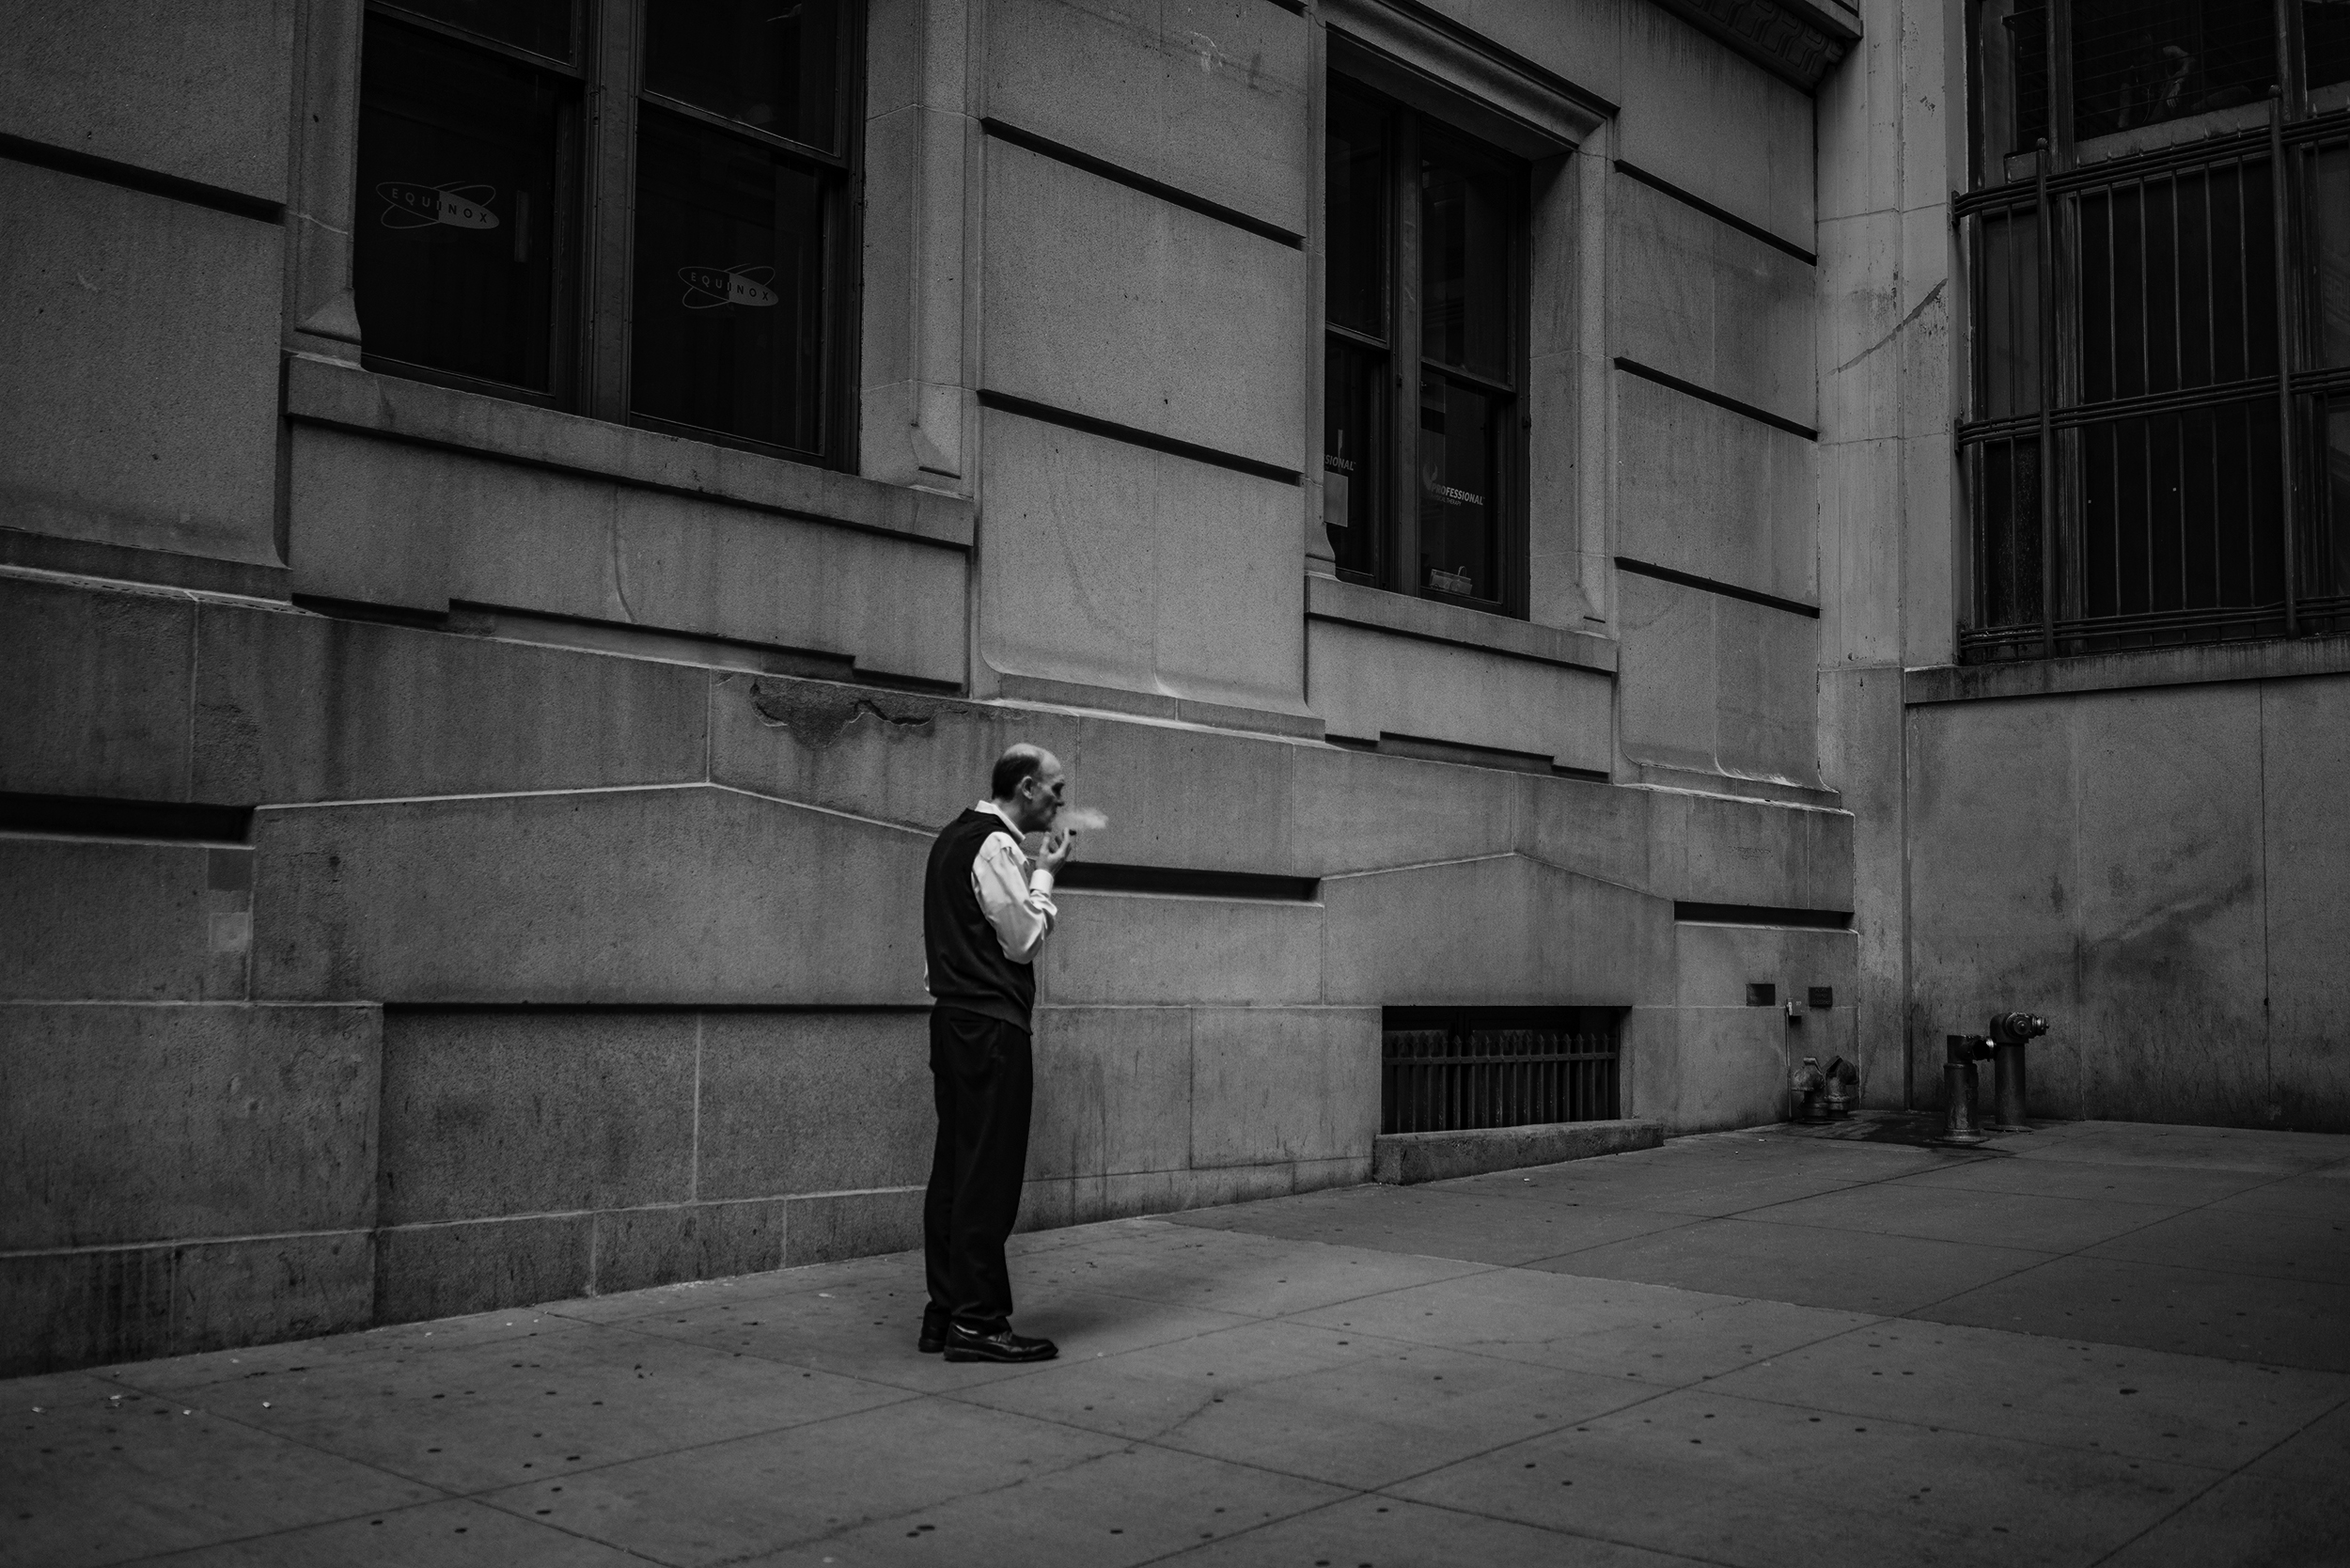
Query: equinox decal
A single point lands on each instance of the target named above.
(714, 288)
(410, 205)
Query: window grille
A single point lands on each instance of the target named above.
(1451, 1069)
(2159, 251)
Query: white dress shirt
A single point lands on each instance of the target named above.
(1018, 903)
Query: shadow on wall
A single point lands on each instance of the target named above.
(2158, 871)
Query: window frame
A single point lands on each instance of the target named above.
(1397, 537)
(2046, 533)
(594, 330)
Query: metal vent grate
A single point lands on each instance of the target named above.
(1450, 1069)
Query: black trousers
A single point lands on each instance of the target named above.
(983, 1075)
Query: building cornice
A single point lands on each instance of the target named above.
(1797, 41)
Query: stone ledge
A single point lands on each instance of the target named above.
(1432, 621)
(2137, 668)
(1179, 710)
(345, 396)
(127, 563)
(1401, 1159)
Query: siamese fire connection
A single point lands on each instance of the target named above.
(1823, 1094)
(2004, 1049)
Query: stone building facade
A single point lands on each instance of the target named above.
(521, 518)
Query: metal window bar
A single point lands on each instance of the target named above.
(2177, 457)
(1459, 1077)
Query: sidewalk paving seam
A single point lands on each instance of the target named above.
(1970, 1431)
(2057, 1258)
(2221, 1481)
(1564, 1535)
(370, 1513)
(1650, 1393)
(1386, 1488)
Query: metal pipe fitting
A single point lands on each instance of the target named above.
(1839, 1087)
(2009, 1033)
(1803, 1091)
(1959, 1082)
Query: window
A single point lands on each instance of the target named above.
(1424, 356)
(679, 260)
(2157, 447)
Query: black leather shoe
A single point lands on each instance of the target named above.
(931, 1341)
(1002, 1345)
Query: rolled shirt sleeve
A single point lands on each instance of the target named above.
(1017, 903)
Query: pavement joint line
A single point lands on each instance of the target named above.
(1912, 1314)
(1915, 1312)
(376, 1513)
(1013, 1485)
(2240, 1470)
(1651, 1394)
(2222, 1472)
(1358, 1495)
(2222, 1480)
(961, 1396)
(478, 1495)
(1149, 1228)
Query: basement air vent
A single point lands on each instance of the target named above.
(1449, 1069)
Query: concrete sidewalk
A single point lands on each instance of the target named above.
(2091, 1344)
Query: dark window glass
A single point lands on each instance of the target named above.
(1355, 454)
(454, 258)
(2178, 282)
(2006, 552)
(769, 63)
(1465, 223)
(2330, 225)
(2330, 541)
(2180, 511)
(1459, 543)
(2326, 42)
(2012, 82)
(541, 26)
(2142, 62)
(2010, 331)
(2026, 31)
(1355, 216)
(729, 321)
(2158, 514)
(1419, 421)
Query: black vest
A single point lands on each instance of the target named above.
(967, 966)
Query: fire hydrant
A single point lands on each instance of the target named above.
(2009, 1033)
(1958, 1088)
(1803, 1091)
(1841, 1088)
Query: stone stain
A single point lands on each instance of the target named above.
(819, 716)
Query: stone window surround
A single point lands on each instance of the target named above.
(1429, 63)
(1420, 57)
(339, 394)
(323, 324)
(1434, 620)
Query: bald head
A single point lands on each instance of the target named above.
(1028, 784)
